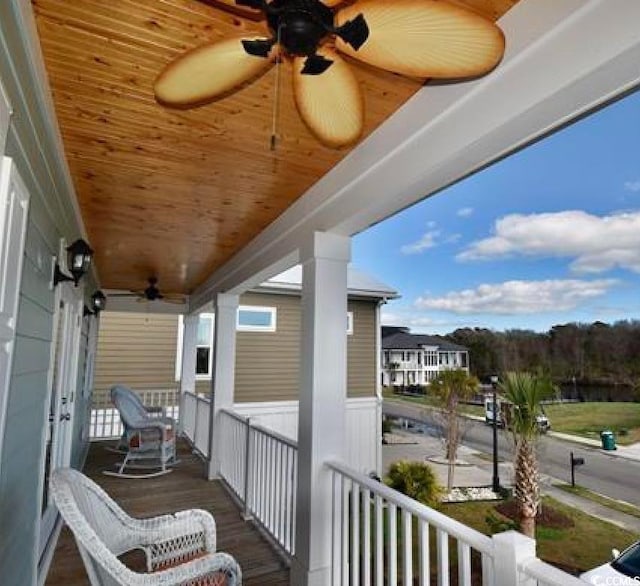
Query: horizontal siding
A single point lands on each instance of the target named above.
(20, 498)
(361, 350)
(137, 350)
(268, 363)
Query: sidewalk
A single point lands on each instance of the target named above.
(476, 470)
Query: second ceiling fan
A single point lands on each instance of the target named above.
(416, 38)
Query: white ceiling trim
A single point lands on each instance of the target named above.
(563, 60)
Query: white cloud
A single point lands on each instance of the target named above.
(595, 243)
(519, 297)
(428, 240)
(419, 323)
(465, 212)
(632, 185)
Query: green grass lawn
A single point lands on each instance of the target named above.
(589, 419)
(577, 549)
(626, 508)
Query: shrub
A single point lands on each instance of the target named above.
(387, 426)
(416, 480)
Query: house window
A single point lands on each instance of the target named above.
(204, 344)
(256, 319)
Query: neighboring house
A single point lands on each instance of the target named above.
(144, 351)
(416, 359)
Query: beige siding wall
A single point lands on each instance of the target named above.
(136, 349)
(268, 363)
(139, 350)
(361, 350)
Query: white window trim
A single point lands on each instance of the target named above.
(257, 309)
(349, 323)
(179, 348)
(211, 316)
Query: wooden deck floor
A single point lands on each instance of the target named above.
(184, 488)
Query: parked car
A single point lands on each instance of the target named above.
(542, 420)
(623, 569)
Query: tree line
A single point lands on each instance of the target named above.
(597, 353)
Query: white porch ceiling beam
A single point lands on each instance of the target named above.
(563, 60)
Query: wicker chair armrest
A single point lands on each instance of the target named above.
(194, 571)
(170, 527)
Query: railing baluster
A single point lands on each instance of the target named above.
(407, 547)
(379, 542)
(366, 537)
(355, 533)
(393, 544)
(345, 530)
(425, 562)
(442, 539)
(464, 564)
(336, 528)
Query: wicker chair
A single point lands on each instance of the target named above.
(148, 439)
(179, 548)
(143, 410)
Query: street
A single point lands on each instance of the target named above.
(604, 473)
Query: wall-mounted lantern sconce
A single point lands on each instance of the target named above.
(79, 256)
(98, 303)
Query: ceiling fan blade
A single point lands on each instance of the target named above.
(207, 72)
(174, 300)
(244, 10)
(330, 104)
(424, 38)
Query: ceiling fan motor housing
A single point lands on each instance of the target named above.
(301, 25)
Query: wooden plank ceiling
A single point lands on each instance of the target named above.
(175, 193)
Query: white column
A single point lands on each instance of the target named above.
(323, 390)
(223, 375)
(188, 363)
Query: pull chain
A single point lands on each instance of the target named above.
(276, 94)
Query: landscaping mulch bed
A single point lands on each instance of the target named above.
(547, 516)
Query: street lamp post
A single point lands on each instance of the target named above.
(496, 477)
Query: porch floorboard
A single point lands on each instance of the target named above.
(184, 488)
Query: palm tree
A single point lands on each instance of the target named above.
(525, 393)
(450, 387)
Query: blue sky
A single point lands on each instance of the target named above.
(549, 235)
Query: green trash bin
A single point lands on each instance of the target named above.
(608, 440)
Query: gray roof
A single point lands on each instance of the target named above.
(359, 283)
(405, 341)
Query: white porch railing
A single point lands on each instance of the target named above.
(535, 572)
(383, 537)
(260, 467)
(196, 411)
(105, 420)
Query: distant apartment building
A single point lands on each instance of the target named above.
(416, 359)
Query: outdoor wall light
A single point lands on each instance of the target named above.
(79, 256)
(98, 302)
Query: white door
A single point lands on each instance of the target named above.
(14, 206)
(62, 395)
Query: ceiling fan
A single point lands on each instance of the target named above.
(416, 38)
(152, 293)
